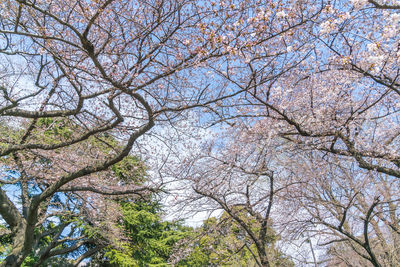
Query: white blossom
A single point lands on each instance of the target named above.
(281, 14)
(359, 3)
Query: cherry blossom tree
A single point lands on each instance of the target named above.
(340, 102)
(309, 197)
(342, 98)
(353, 212)
(81, 218)
(243, 176)
(83, 80)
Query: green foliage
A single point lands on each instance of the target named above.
(223, 242)
(8, 135)
(55, 130)
(220, 242)
(30, 261)
(5, 242)
(130, 169)
(151, 240)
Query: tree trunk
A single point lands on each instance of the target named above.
(264, 260)
(18, 252)
(21, 247)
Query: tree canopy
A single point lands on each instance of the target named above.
(282, 116)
